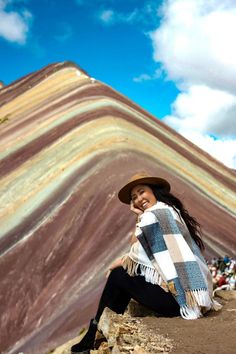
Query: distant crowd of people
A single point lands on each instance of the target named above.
(223, 270)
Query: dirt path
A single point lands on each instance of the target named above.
(213, 334)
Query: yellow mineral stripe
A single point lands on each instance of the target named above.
(55, 83)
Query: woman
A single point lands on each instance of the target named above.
(164, 269)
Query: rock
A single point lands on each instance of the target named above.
(103, 349)
(116, 349)
(138, 350)
(137, 310)
(125, 334)
(99, 339)
(65, 348)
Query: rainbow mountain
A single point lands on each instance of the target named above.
(68, 143)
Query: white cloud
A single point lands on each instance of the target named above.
(204, 110)
(195, 46)
(142, 77)
(147, 77)
(111, 17)
(195, 42)
(223, 149)
(13, 25)
(107, 16)
(145, 16)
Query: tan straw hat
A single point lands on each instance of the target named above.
(141, 178)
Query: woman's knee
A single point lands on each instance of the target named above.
(117, 274)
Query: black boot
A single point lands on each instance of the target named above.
(87, 342)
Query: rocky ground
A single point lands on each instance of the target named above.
(140, 332)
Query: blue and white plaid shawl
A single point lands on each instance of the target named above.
(167, 255)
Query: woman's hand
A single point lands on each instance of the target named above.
(135, 210)
(115, 264)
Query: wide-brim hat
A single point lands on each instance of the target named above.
(141, 178)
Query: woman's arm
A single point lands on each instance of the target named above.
(115, 264)
(118, 262)
(137, 212)
(133, 239)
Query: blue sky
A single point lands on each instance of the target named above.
(175, 58)
(113, 49)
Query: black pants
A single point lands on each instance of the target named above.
(121, 287)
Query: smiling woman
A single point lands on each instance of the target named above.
(142, 197)
(164, 269)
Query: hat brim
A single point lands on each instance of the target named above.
(124, 194)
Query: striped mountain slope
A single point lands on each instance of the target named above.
(68, 143)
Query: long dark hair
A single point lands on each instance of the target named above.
(193, 226)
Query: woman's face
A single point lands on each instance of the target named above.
(142, 196)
